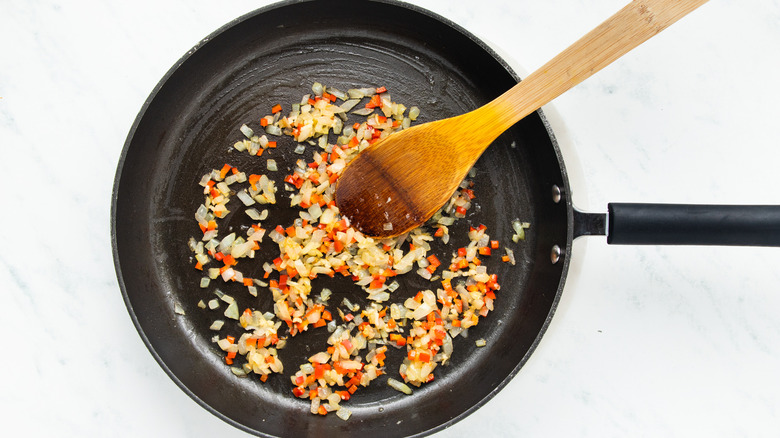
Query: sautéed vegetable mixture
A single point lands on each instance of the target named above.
(319, 242)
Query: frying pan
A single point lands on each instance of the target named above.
(273, 55)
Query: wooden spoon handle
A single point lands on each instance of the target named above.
(631, 26)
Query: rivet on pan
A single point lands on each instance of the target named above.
(555, 254)
(556, 194)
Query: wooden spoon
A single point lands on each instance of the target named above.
(400, 182)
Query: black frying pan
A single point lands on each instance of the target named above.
(187, 127)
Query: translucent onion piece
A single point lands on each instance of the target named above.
(247, 131)
(399, 386)
(344, 413)
(232, 311)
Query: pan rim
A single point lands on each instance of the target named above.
(203, 42)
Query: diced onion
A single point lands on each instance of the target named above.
(399, 386)
(344, 413)
(517, 225)
(363, 111)
(245, 198)
(273, 130)
(253, 214)
(247, 131)
(511, 255)
(338, 93)
(232, 310)
(348, 105)
(414, 112)
(222, 296)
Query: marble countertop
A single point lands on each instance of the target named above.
(646, 341)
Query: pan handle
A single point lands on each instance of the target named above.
(686, 224)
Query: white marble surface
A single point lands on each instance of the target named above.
(647, 341)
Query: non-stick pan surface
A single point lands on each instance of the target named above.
(187, 127)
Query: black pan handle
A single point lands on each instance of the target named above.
(686, 224)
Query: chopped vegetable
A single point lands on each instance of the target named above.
(399, 386)
(319, 242)
(247, 131)
(519, 228)
(232, 311)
